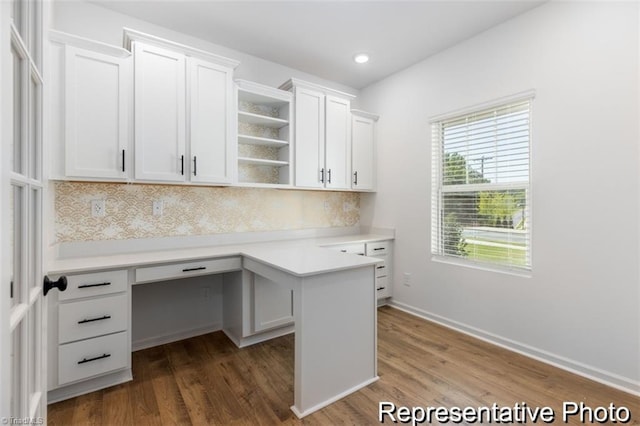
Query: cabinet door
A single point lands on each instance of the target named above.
(363, 151)
(309, 138)
(97, 99)
(159, 114)
(338, 143)
(272, 304)
(210, 94)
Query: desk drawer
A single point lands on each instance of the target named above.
(378, 249)
(90, 318)
(381, 285)
(184, 270)
(381, 268)
(87, 358)
(96, 284)
(349, 248)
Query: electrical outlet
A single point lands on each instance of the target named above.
(97, 208)
(406, 279)
(158, 207)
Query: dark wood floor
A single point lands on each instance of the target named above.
(207, 380)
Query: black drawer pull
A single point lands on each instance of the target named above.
(344, 251)
(84, 321)
(380, 288)
(93, 285)
(378, 248)
(85, 360)
(380, 267)
(199, 268)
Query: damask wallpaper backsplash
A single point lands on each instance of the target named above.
(190, 210)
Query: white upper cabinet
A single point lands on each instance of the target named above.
(309, 138)
(184, 112)
(211, 137)
(338, 143)
(322, 130)
(363, 150)
(91, 110)
(160, 111)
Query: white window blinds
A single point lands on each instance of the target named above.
(480, 186)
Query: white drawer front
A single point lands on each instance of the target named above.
(378, 249)
(96, 284)
(184, 270)
(87, 358)
(349, 248)
(381, 268)
(382, 287)
(90, 318)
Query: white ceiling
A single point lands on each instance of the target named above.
(320, 37)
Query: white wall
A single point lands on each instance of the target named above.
(580, 308)
(97, 23)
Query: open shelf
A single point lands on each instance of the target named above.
(264, 154)
(262, 162)
(258, 140)
(262, 120)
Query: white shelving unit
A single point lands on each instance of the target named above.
(264, 135)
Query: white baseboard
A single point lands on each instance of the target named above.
(605, 377)
(173, 337)
(91, 385)
(243, 342)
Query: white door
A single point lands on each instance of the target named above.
(309, 138)
(338, 143)
(363, 151)
(160, 110)
(272, 304)
(211, 138)
(96, 114)
(22, 355)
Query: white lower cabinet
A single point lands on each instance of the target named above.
(378, 249)
(272, 304)
(91, 357)
(89, 336)
(255, 308)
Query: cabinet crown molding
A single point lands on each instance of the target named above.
(365, 114)
(294, 82)
(252, 86)
(130, 35)
(87, 44)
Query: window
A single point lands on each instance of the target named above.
(480, 187)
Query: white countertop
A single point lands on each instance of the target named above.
(301, 257)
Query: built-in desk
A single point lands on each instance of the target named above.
(334, 309)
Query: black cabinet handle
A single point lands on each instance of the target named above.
(93, 285)
(195, 166)
(380, 288)
(86, 320)
(344, 251)
(381, 267)
(199, 268)
(123, 160)
(329, 176)
(355, 178)
(85, 360)
(182, 165)
(378, 248)
(60, 284)
(322, 175)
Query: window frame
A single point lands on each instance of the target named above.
(439, 189)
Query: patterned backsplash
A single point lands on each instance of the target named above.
(191, 210)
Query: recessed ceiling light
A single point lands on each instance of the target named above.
(361, 58)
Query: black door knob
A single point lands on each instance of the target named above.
(60, 284)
